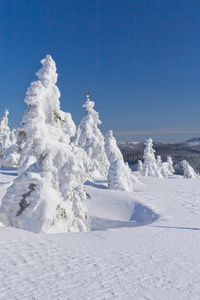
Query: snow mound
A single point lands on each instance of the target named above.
(115, 209)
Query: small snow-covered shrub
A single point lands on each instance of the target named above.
(188, 170)
(112, 151)
(48, 196)
(120, 176)
(90, 138)
(150, 167)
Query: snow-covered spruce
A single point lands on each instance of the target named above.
(112, 151)
(9, 156)
(120, 176)
(188, 170)
(170, 162)
(90, 138)
(166, 168)
(140, 165)
(159, 161)
(150, 167)
(48, 196)
(5, 134)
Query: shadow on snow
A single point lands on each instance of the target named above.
(141, 216)
(186, 228)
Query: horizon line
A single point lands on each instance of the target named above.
(160, 131)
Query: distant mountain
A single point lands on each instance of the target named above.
(188, 150)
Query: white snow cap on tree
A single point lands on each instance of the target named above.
(90, 138)
(188, 170)
(48, 196)
(112, 151)
(120, 176)
(8, 149)
(150, 167)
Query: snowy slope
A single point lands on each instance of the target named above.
(126, 261)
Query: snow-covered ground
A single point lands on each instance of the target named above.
(143, 245)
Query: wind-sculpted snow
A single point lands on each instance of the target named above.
(108, 210)
(157, 261)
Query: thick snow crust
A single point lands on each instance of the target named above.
(119, 258)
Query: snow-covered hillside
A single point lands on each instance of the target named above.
(142, 245)
(188, 150)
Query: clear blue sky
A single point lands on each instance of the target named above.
(141, 60)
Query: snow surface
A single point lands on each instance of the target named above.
(119, 258)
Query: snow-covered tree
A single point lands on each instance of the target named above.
(7, 137)
(170, 162)
(140, 165)
(112, 151)
(188, 170)
(164, 169)
(120, 176)
(9, 156)
(150, 167)
(48, 196)
(159, 161)
(90, 138)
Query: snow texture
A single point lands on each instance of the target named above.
(48, 196)
(90, 138)
(119, 259)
